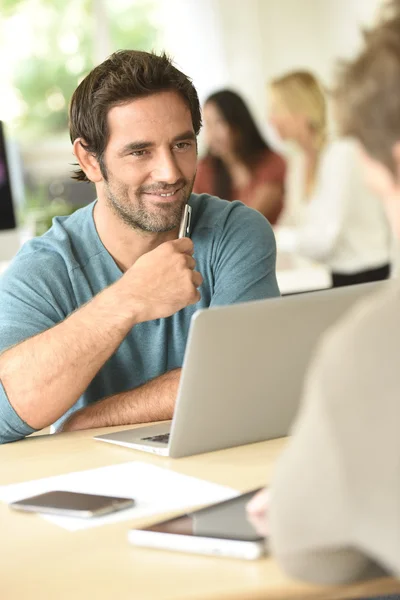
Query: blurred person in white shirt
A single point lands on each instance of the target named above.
(338, 220)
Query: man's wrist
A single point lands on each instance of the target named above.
(123, 304)
(71, 423)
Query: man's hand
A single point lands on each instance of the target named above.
(163, 281)
(257, 511)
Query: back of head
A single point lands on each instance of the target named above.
(368, 90)
(299, 92)
(236, 113)
(125, 76)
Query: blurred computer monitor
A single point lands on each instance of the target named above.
(7, 213)
(10, 178)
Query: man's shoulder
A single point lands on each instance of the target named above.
(61, 244)
(211, 212)
(75, 227)
(207, 209)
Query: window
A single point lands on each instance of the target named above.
(46, 48)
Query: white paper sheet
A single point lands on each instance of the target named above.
(155, 490)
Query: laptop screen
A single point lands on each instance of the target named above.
(7, 214)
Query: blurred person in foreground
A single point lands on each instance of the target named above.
(338, 220)
(334, 508)
(239, 164)
(95, 314)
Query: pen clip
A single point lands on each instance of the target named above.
(188, 220)
(184, 228)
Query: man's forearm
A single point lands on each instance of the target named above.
(153, 401)
(46, 374)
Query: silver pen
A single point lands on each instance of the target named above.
(184, 228)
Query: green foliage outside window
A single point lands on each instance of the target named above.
(59, 40)
(46, 48)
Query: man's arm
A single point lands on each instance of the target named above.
(310, 510)
(45, 375)
(245, 270)
(153, 401)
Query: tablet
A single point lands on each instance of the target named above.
(222, 529)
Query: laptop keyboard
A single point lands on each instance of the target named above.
(161, 439)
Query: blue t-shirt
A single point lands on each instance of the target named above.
(55, 274)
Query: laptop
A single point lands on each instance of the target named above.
(243, 372)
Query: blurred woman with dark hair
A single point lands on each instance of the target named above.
(239, 164)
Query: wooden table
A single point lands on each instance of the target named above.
(41, 560)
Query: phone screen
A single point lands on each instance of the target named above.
(225, 520)
(59, 502)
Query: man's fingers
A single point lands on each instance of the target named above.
(197, 279)
(184, 245)
(191, 263)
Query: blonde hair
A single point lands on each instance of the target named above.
(300, 92)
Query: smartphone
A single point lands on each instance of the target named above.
(184, 228)
(72, 504)
(220, 529)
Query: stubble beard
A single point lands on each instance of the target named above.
(135, 213)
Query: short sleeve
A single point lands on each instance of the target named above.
(245, 258)
(35, 294)
(12, 427)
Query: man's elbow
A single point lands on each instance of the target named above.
(10, 434)
(12, 427)
(324, 567)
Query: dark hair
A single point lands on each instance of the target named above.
(250, 144)
(124, 76)
(367, 93)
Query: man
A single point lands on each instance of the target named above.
(335, 496)
(99, 307)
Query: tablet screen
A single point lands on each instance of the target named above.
(225, 520)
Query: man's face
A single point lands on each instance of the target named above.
(150, 161)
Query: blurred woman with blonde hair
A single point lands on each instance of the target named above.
(339, 221)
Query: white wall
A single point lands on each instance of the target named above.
(191, 34)
(312, 34)
(243, 43)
